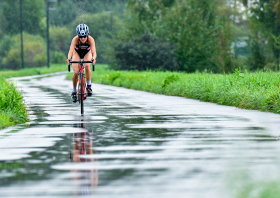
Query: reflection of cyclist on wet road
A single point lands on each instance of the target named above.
(82, 47)
(82, 147)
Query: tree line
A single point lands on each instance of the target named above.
(178, 35)
(64, 18)
(215, 36)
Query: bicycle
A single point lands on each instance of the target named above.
(82, 91)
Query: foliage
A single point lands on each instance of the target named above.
(60, 39)
(201, 39)
(259, 91)
(34, 52)
(257, 57)
(58, 57)
(12, 109)
(263, 20)
(63, 20)
(32, 12)
(144, 53)
(143, 16)
(195, 35)
(206, 34)
(68, 10)
(250, 187)
(170, 79)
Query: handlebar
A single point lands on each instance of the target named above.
(81, 62)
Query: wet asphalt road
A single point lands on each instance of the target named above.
(132, 144)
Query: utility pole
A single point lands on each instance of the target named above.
(21, 35)
(277, 35)
(111, 24)
(234, 22)
(48, 32)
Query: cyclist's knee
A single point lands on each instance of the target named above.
(76, 74)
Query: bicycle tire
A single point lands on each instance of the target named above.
(82, 93)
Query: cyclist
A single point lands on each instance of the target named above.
(82, 47)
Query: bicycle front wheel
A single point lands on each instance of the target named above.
(81, 95)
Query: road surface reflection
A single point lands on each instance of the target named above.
(82, 146)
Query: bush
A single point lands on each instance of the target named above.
(146, 52)
(34, 52)
(40, 59)
(60, 39)
(58, 57)
(12, 108)
(6, 44)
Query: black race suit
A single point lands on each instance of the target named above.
(82, 49)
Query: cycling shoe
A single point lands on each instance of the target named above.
(74, 97)
(89, 91)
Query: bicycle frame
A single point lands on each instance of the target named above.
(82, 92)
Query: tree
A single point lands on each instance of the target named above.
(263, 19)
(144, 16)
(68, 10)
(33, 12)
(200, 35)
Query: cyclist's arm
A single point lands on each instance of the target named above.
(93, 48)
(71, 49)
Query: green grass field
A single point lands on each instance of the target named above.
(33, 71)
(258, 91)
(12, 107)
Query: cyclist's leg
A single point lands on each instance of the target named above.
(75, 67)
(88, 57)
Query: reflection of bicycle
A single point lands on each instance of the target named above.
(82, 145)
(82, 91)
(82, 148)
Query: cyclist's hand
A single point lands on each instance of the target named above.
(93, 61)
(68, 61)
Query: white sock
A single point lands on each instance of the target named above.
(89, 83)
(74, 89)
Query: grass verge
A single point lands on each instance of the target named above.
(258, 91)
(33, 71)
(12, 107)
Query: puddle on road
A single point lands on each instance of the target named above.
(121, 150)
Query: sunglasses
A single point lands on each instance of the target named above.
(82, 36)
